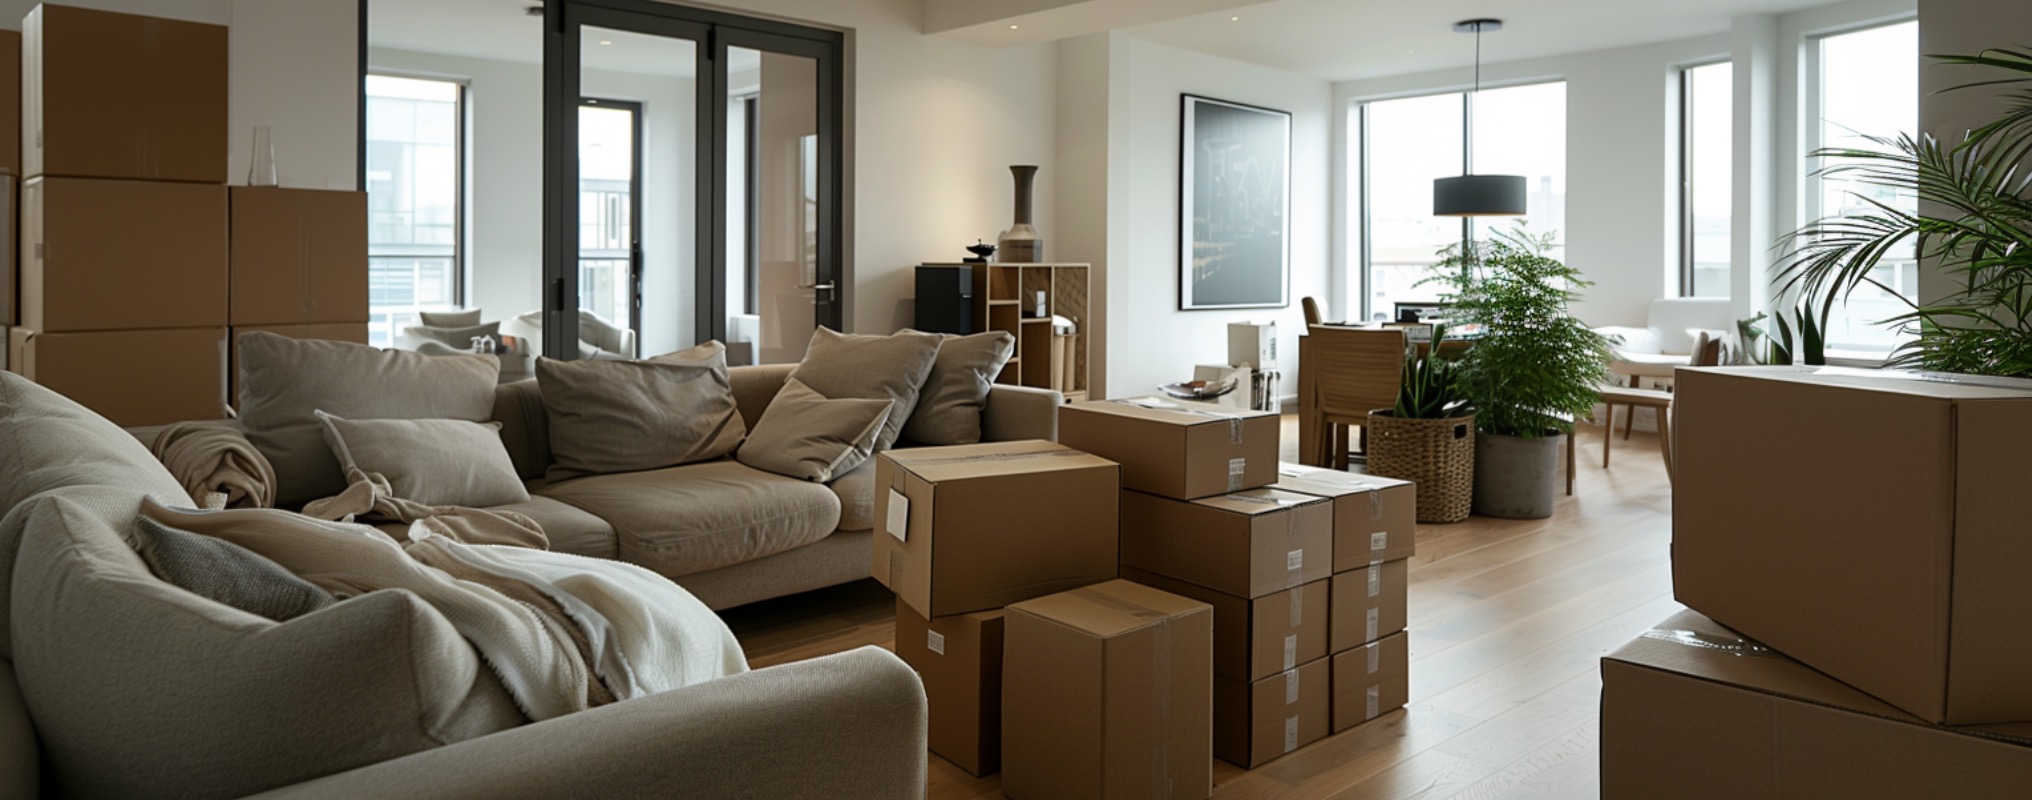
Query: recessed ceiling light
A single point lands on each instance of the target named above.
(603, 41)
(1014, 27)
(1234, 19)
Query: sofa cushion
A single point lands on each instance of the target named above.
(283, 380)
(608, 416)
(140, 689)
(856, 491)
(871, 367)
(226, 573)
(949, 407)
(20, 757)
(436, 462)
(525, 427)
(807, 436)
(450, 319)
(697, 517)
(570, 529)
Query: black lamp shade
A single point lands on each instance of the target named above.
(1479, 196)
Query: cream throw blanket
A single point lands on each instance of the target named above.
(368, 496)
(216, 465)
(626, 629)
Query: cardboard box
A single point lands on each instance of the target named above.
(1107, 692)
(1894, 560)
(1255, 639)
(977, 527)
(10, 250)
(298, 256)
(1259, 721)
(1247, 544)
(130, 377)
(1691, 706)
(1375, 518)
(1175, 450)
(1371, 680)
(108, 95)
(10, 102)
(960, 660)
(355, 332)
(1252, 344)
(102, 255)
(1369, 604)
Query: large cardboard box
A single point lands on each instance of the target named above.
(977, 527)
(1255, 722)
(1872, 525)
(355, 332)
(130, 377)
(100, 255)
(10, 250)
(10, 102)
(1176, 450)
(1691, 706)
(107, 95)
(298, 256)
(1255, 639)
(1107, 692)
(1371, 680)
(1247, 544)
(960, 660)
(1369, 604)
(1375, 518)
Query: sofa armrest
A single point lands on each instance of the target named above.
(1015, 413)
(850, 725)
(1633, 340)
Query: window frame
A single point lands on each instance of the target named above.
(1685, 165)
(461, 147)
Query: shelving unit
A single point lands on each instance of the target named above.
(1005, 300)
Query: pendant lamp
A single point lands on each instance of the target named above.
(1472, 195)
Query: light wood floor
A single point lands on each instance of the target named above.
(1508, 621)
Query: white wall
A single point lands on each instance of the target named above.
(1962, 27)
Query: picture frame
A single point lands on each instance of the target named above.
(1234, 199)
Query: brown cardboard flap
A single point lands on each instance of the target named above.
(960, 660)
(133, 378)
(298, 256)
(1375, 518)
(1369, 604)
(1264, 542)
(109, 95)
(1175, 450)
(166, 267)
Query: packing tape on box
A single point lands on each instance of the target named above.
(1375, 581)
(1235, 421)
(1374, 702)
(1297, 608)
(991, 457)
(1378, 543)
(1375, 651)
(1374, 621)
(1291, 651)
(1290, 733)
(1735, 645)
(1237, 469)
(1160, 685)
(1291, 687)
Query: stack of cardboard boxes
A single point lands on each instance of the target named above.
(134, 261)
(1856, 548)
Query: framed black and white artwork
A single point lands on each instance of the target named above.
(1234, 193)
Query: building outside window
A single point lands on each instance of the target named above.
(1868, 85)
(1707, 179)
(415, 198)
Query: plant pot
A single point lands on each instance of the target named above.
(1436, 454)
(1515, 477)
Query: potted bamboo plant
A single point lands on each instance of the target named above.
(1428, 438)
(1533, 370)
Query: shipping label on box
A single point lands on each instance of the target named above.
(1375, 518)
(133, 378)
(1176, 450)
(1371, 680)
(1255, 639)
(960, 660)
(1107, 692)
(1368, 604)
(1259, 721)
(106, 255)
(109, 95)
(989, 524)
(1247, 544)
(1252, 344)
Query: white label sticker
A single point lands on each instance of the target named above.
(898, 524)
(1294, 561)
(1290, 734)
(1234, 430)
(935, 641)
(1291, 651)
(1291, 687)
(1379, 541)
(1375, 701)
(1236, 468)
(1375, 617)
(1375, 657)
(1375, 581)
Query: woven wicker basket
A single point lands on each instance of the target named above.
(1436, 454)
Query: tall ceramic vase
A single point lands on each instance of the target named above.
(1021, 244)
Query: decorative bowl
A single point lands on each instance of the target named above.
(1200, 390)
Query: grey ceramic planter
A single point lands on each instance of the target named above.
(1515, 478)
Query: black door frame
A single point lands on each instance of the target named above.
(635, 110)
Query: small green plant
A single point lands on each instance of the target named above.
(1430, 389)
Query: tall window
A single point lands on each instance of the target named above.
(1706, 179)
(1869, 87)
(1407, 143)
(610, 166)
(414, 196)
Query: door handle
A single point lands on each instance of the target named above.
(822, 286)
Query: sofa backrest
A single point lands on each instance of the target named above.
(20, 759)
(525, 426)
(1677, 318)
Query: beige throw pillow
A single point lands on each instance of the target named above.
(954, 394)
(611, 416)
(449, 319)
(436, 462)
(804, 435)
(842, 365)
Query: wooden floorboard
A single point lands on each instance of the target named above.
(1509, 619)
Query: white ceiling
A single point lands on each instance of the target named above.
(503, 30)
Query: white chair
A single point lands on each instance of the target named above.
(1667, 338)
(598, 338)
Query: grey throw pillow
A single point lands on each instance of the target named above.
(436, 462)
(954, 394)
(806, 436)
(449, 319)
(611, 416)
(226, 573)
(894, 367)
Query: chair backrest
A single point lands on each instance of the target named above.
(1359, 369)
(1311, 307)
(1707, 351)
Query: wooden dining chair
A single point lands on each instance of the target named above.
(1706, 353)
(1358, 370)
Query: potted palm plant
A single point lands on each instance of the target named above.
(1428, 437)
(1534, 369)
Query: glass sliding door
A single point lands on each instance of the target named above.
(610, 201)
(771, 267)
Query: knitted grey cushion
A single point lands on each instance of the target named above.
(221, 571)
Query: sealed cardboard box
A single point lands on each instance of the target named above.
(1371, 680)
(1107, 692)
(103, 255)
(977, 527)
(10, 250)
(960, 660)
(1829, 545)
(1255, 722)
(10, 102)
(129, 377)
(355, 332)
(298, 256)
(107, 95)
(1369, 604)
(1255, 639)
(1691, 707)
(1176, 450)
(1375, 518)
(1248, 544)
